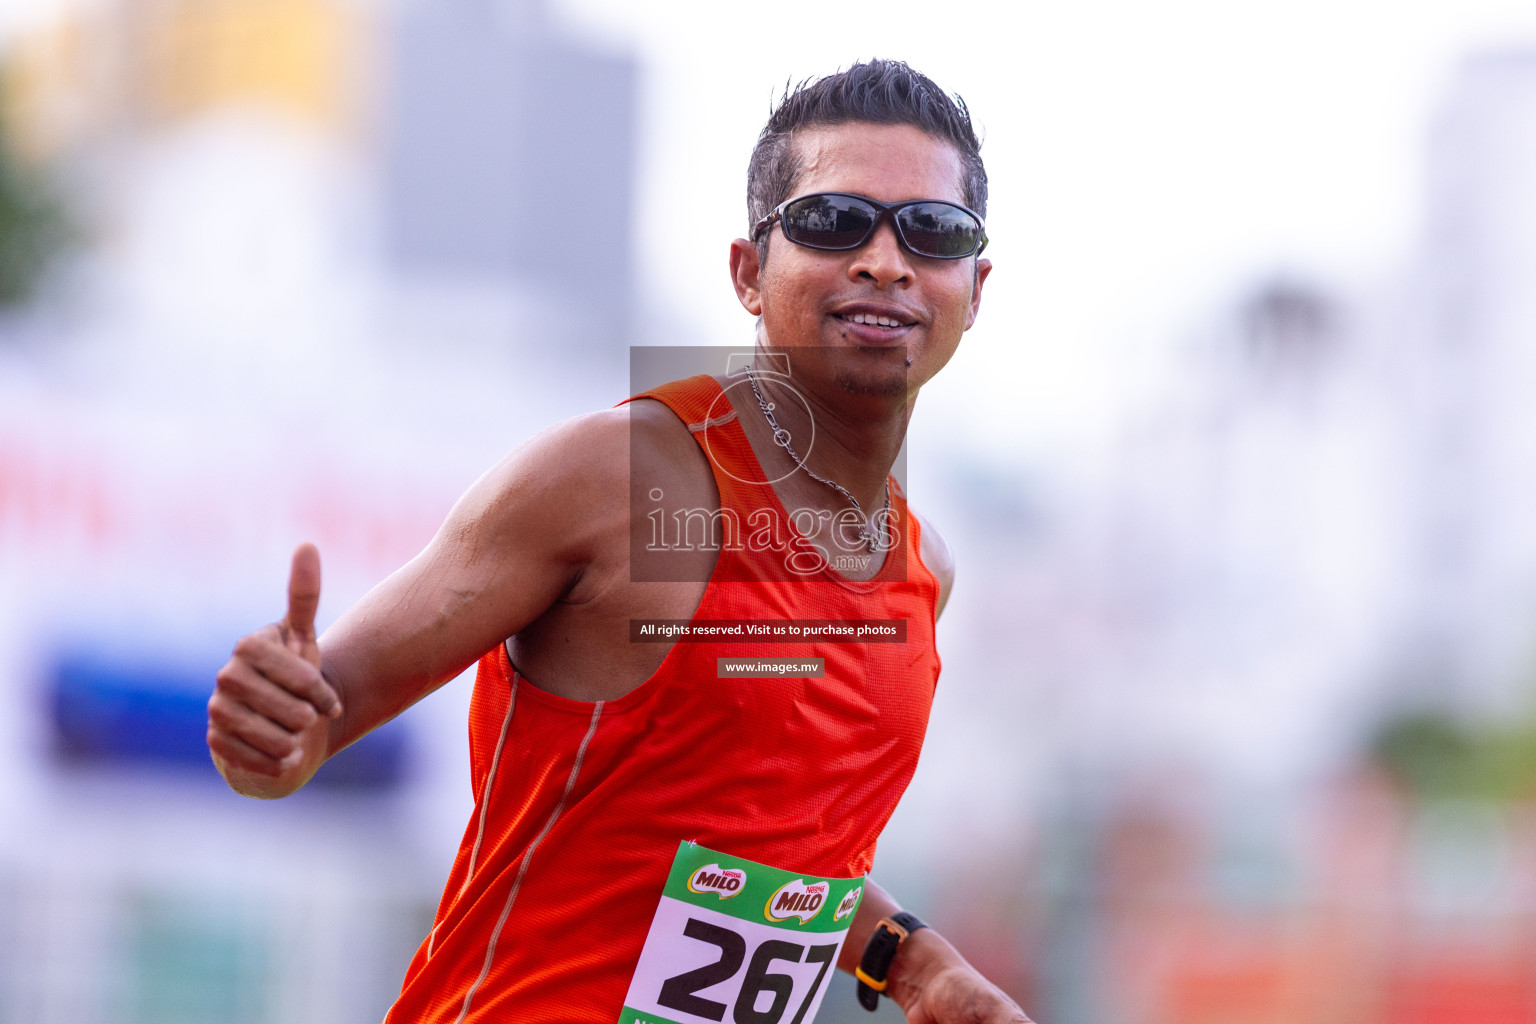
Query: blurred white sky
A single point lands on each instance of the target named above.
(1146, 161)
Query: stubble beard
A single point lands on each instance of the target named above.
(887, 384)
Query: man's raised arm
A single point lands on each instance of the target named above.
(513, 544)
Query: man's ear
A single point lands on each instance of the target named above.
(746, 273)
(978, 278)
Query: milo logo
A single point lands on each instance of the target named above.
(796, 899)
(723, 882)
(849, 904)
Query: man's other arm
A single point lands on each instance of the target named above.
(938, 558)
(928, 979)
(514, 544)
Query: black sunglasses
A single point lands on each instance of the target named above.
(842, 220)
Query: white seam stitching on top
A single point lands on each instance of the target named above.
(570, 784)
(432, 939)
(718, 421)
(485, 802)
(485, 795)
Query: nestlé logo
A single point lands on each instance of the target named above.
(723, 882)
(796, 899)
(849, 904)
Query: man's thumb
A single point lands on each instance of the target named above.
(303, 592)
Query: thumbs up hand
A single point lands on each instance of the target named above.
(269, 716)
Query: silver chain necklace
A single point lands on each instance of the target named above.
(867, 533)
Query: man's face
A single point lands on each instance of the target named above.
(814, 299)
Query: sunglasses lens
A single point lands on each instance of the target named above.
(829, 222)
(939, 229)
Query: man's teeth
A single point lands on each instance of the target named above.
(877, 321)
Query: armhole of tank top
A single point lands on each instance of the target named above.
(634, 697)
(917, 552)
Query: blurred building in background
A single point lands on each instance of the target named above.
(1477, 490)
(107, 76)
(532, 176)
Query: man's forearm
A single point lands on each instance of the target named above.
(876, 904)
(924, 947)
(928, 976)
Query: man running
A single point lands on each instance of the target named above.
(682, 753)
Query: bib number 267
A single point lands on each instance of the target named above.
(734, 940)
(763, 995)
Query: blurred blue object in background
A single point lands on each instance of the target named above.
(106, 711)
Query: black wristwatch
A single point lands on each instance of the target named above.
(881, 949)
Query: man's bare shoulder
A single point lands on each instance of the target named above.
(938, 557)
(556, 500)
(591, 455)
(665, 458)
(599, 446)
(576, 463)
(572, 484)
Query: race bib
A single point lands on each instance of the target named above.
(736, 940)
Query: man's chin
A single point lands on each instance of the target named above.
(867, 383)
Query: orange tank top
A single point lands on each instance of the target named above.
(580, 807)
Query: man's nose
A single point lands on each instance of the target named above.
(882, 259)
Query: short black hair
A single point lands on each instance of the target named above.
(873, 92)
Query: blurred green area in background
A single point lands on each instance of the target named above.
(35, 229)
(1437, 755)
(197, 963)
